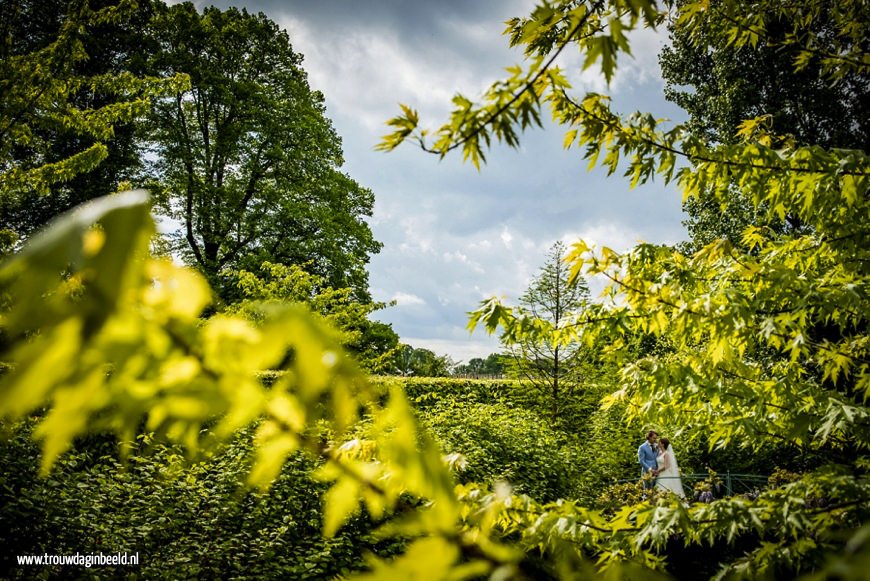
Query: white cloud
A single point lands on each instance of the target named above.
(455, 256)
(462, 260)
(338, 59)
(506, 236)
(406, 299)
(418, 232)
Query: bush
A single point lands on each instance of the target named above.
(610, 453)
(781, 477)
(622, 494)
(504, 443)
(185, 520)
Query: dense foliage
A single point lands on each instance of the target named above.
(765, 348)
(212, 112)
(120, 347)
(184, 520)
(249, 162)
(197, 519)
(721, 83)
(768, 338)
(502, 431)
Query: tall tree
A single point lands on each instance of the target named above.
(553, 301)
(71, 87)
(246, 159)
(493, 364)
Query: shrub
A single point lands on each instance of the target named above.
(780, 477)
(504, 443)
(186, 520)
(622, 494)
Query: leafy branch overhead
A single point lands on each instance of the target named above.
(766, 333)
(600, 31)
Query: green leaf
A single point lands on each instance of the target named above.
(339, 503)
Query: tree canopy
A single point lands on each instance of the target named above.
(98, 94)
(72, 86)
(492, 365)
(420, 362)
(246, 159)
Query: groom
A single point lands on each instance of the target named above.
(646, 455)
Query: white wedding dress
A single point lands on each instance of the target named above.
(669, 473)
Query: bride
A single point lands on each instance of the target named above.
(668, 475)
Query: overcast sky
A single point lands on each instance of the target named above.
(452, 235)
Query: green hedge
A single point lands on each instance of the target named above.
(504, 429)
(185, 520)
(427, 391)
(197, 520)
(504, 443)
(424, 392)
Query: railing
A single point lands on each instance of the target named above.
(730, 484)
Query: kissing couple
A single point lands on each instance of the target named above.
(658, 464)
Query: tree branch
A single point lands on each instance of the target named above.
(529, 86)
(693, 157)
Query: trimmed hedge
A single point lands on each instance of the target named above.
(504, 429)
(185, 520)
(424, 392)
(504, 443)
(195, 520)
